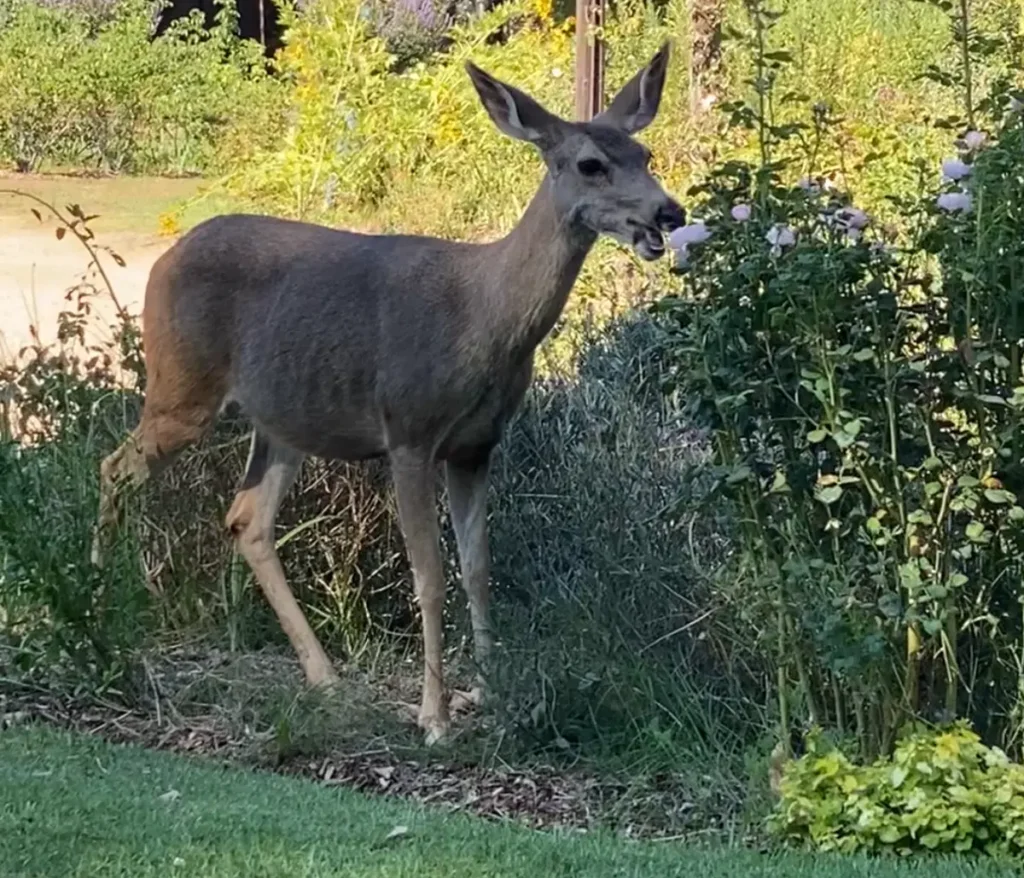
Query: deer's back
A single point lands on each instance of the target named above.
(323, 335)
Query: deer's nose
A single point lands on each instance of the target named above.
(670, 216)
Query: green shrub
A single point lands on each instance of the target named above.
(82, 92)
(940, 792)
(867, 426)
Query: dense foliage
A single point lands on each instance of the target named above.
(91, 88)
(943, 793)
(863, 387)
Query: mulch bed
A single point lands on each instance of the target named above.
(540, 797)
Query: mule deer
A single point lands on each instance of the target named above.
(352, 346)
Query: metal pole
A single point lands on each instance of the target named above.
(589, 60)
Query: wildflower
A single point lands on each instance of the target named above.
(707, 102)
(955, 169)
(556, 72)
(684, 236)
(954, 202)
(780, 236)
(740, 212)
(745, 301)
(853, 221)
(974, 140)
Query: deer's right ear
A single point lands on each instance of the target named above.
(516, 114)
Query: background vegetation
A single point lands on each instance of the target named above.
(784, 498)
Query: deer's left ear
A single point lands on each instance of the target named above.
(636, 105)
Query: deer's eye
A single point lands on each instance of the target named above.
(590, 167)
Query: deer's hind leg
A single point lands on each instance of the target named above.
(467, 494)
(269, 474)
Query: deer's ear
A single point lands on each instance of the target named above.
(636, 105)
(516, 114)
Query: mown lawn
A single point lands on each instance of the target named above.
(74, 806)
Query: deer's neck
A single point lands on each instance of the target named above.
(532, 271)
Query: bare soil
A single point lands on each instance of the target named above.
(37, 270)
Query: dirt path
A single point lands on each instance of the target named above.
(37, 269)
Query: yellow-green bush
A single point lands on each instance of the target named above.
(414, 150)
(79, 90)
(940, 791)
(367, 146)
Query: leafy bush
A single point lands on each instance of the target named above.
(89, 91)
(866, 423)
(940, 792)
(55, 606)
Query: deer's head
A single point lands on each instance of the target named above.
(600, 176)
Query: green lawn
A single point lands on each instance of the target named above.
(72, 806)
(124, 204)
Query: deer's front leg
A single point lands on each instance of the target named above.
(467, 496)
(413, 475)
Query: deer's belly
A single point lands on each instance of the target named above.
(482, 426)
(355, 438)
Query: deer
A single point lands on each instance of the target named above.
(416, 349)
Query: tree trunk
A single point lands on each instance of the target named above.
(706, 20)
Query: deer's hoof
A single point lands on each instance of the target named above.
(436, 729)
(323, 678)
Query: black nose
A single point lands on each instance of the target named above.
(670, 216)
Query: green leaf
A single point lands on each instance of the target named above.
(890, 605)
(863, 355)
(975, 531)
(739, 474)
(830, 494)
(818, 435)
(999, 495)
(890, 834)
(990, 399)
(779, 483)
(843, 439)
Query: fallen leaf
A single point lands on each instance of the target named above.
(397, 832)
(170, 796)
